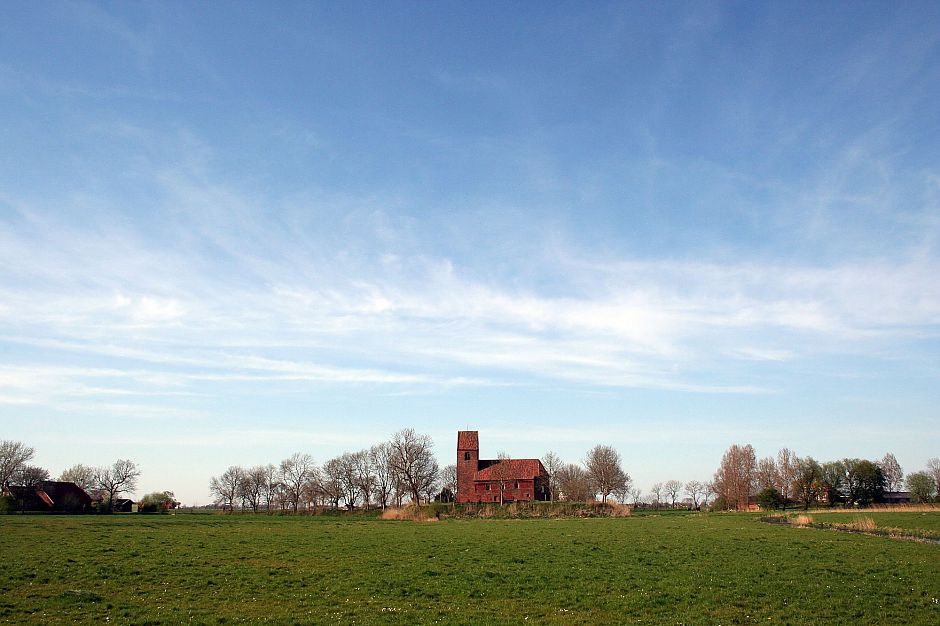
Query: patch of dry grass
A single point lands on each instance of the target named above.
(866, 524)
(537, 510)
(620, 510)
(409, 513)
(863, 524)
(888, 508)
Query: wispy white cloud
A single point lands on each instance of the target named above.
(657, 324)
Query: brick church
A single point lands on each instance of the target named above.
(496, 480)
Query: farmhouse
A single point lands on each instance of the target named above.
(496, 480)
(52, 496)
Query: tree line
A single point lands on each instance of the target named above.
(404, 469)
(601, 476)
(742, 480)
(390, 472)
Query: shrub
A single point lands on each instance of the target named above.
(157, 502)
(769, 499)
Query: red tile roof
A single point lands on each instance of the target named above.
(518, 469)
(468, 440)
(45, 497)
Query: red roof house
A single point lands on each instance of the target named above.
(496, 480)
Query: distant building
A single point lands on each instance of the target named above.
(124, 505)
(495, 480)
(51, 496)
(896, 497)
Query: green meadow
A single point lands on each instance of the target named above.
(928, 522)
(686, 569)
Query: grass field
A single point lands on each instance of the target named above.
(909, 521)
(920, 525)
(703, 568)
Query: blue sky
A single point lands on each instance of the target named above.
(229, 232)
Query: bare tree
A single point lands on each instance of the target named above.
(82, 475)
(296, 472)
(413, 460)
(622, 492)
(400, 490)
(552, 463)
(672, 488)
(13, 456)
(115, 480)
(380, 455)
(312, 495)
(449, 482)
(787, 468)
(635, 494)
(252, 487)
(502, 474)
(657, 490)
(227, 488)
(736, 476)
(365, 476)
(892, 472)
(767, 475)
(31, 475)
(348, 478)
(431, 488)
(271, 486)
(575, 483)
(694, 489)
(603, 466)
(933, 469)
(808, 481)
(331, 482)
(708, 490)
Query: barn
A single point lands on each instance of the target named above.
(52, 496)
(496, 480)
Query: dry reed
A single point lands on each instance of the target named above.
(409, 513)
(620, 510)
(864, 524)
(887, 508)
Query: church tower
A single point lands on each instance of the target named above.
(468, 459)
